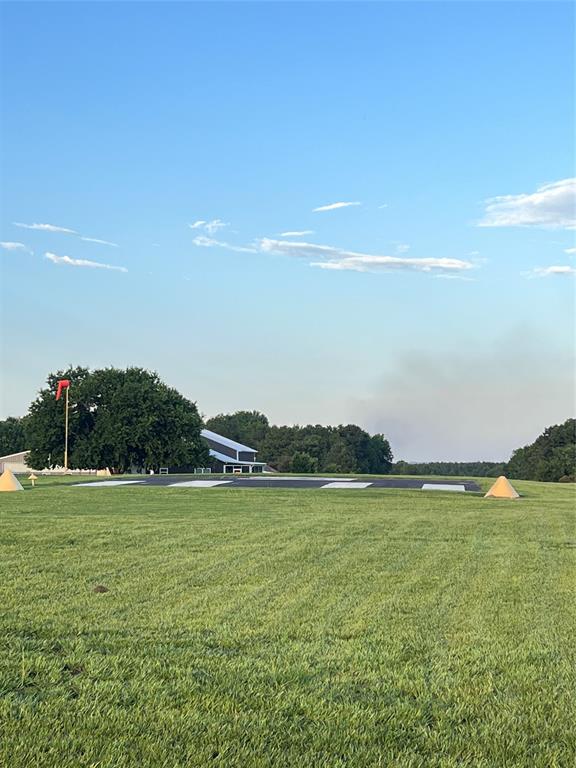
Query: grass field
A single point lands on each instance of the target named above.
(250, 628)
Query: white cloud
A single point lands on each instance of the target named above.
(101, 242)
(552, 206)
(570, 251)
(449, 276)
(8, 246)
(209, 226)
(299, 233)
(333, 207)
(209, 242)
(561, 269)
(81, 262)
(46, 228)
(384, 205)
(338, 259)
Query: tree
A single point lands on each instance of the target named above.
(247, 427)
(358, 443)
(278, 447)
(340, 457)
(550, 457)
(303, 462)
(12, 436)
(380, 456)
(45, 420)
(119, 419)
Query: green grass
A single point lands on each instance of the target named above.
(284, 628)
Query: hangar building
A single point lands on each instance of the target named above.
(230, 456)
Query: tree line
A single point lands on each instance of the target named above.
(550, 458)
(129, 418)
(451, 468)
(310, 448)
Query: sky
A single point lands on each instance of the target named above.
(328, 212)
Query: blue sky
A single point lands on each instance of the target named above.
(439, 308)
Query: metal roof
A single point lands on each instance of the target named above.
(229, 460)
(13, 455)
(209, 435)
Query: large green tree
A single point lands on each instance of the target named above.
(119, 419)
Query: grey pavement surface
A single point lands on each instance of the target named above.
(327, 483)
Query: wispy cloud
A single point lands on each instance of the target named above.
(209, 226)
(570, 251)
(552, 206)
(8, 246)
(297, 233)
(97, 240)
(329, 257)
(560, 269)
(209, 242)
(66, 231)
(384, 205)
(333, 206)
(67, 260)
(46, 228)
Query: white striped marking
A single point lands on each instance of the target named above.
(263, 476)
(441, 487)
(346, 485)
(107, 483)
(199, 484)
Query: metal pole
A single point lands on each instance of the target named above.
(66, 434)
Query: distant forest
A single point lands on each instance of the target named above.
(450, 468)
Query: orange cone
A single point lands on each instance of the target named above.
(502, 489)
(9, 481)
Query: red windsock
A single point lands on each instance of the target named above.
(62, 384)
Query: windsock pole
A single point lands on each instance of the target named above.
(66, 432)
(64, 384)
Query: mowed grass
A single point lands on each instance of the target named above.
(250, 628)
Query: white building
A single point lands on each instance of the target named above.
(15, 462)
(230, 456)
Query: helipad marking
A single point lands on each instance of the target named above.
(346, 485)
(442, 487)
(198, 484)
(107, 483)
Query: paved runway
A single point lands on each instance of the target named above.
(325, 483)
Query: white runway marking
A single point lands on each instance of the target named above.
(261, 476)
(198, 484)
(348, 484)
(107, 483)
(440, 487)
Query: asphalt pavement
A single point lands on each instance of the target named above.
(264, 481)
